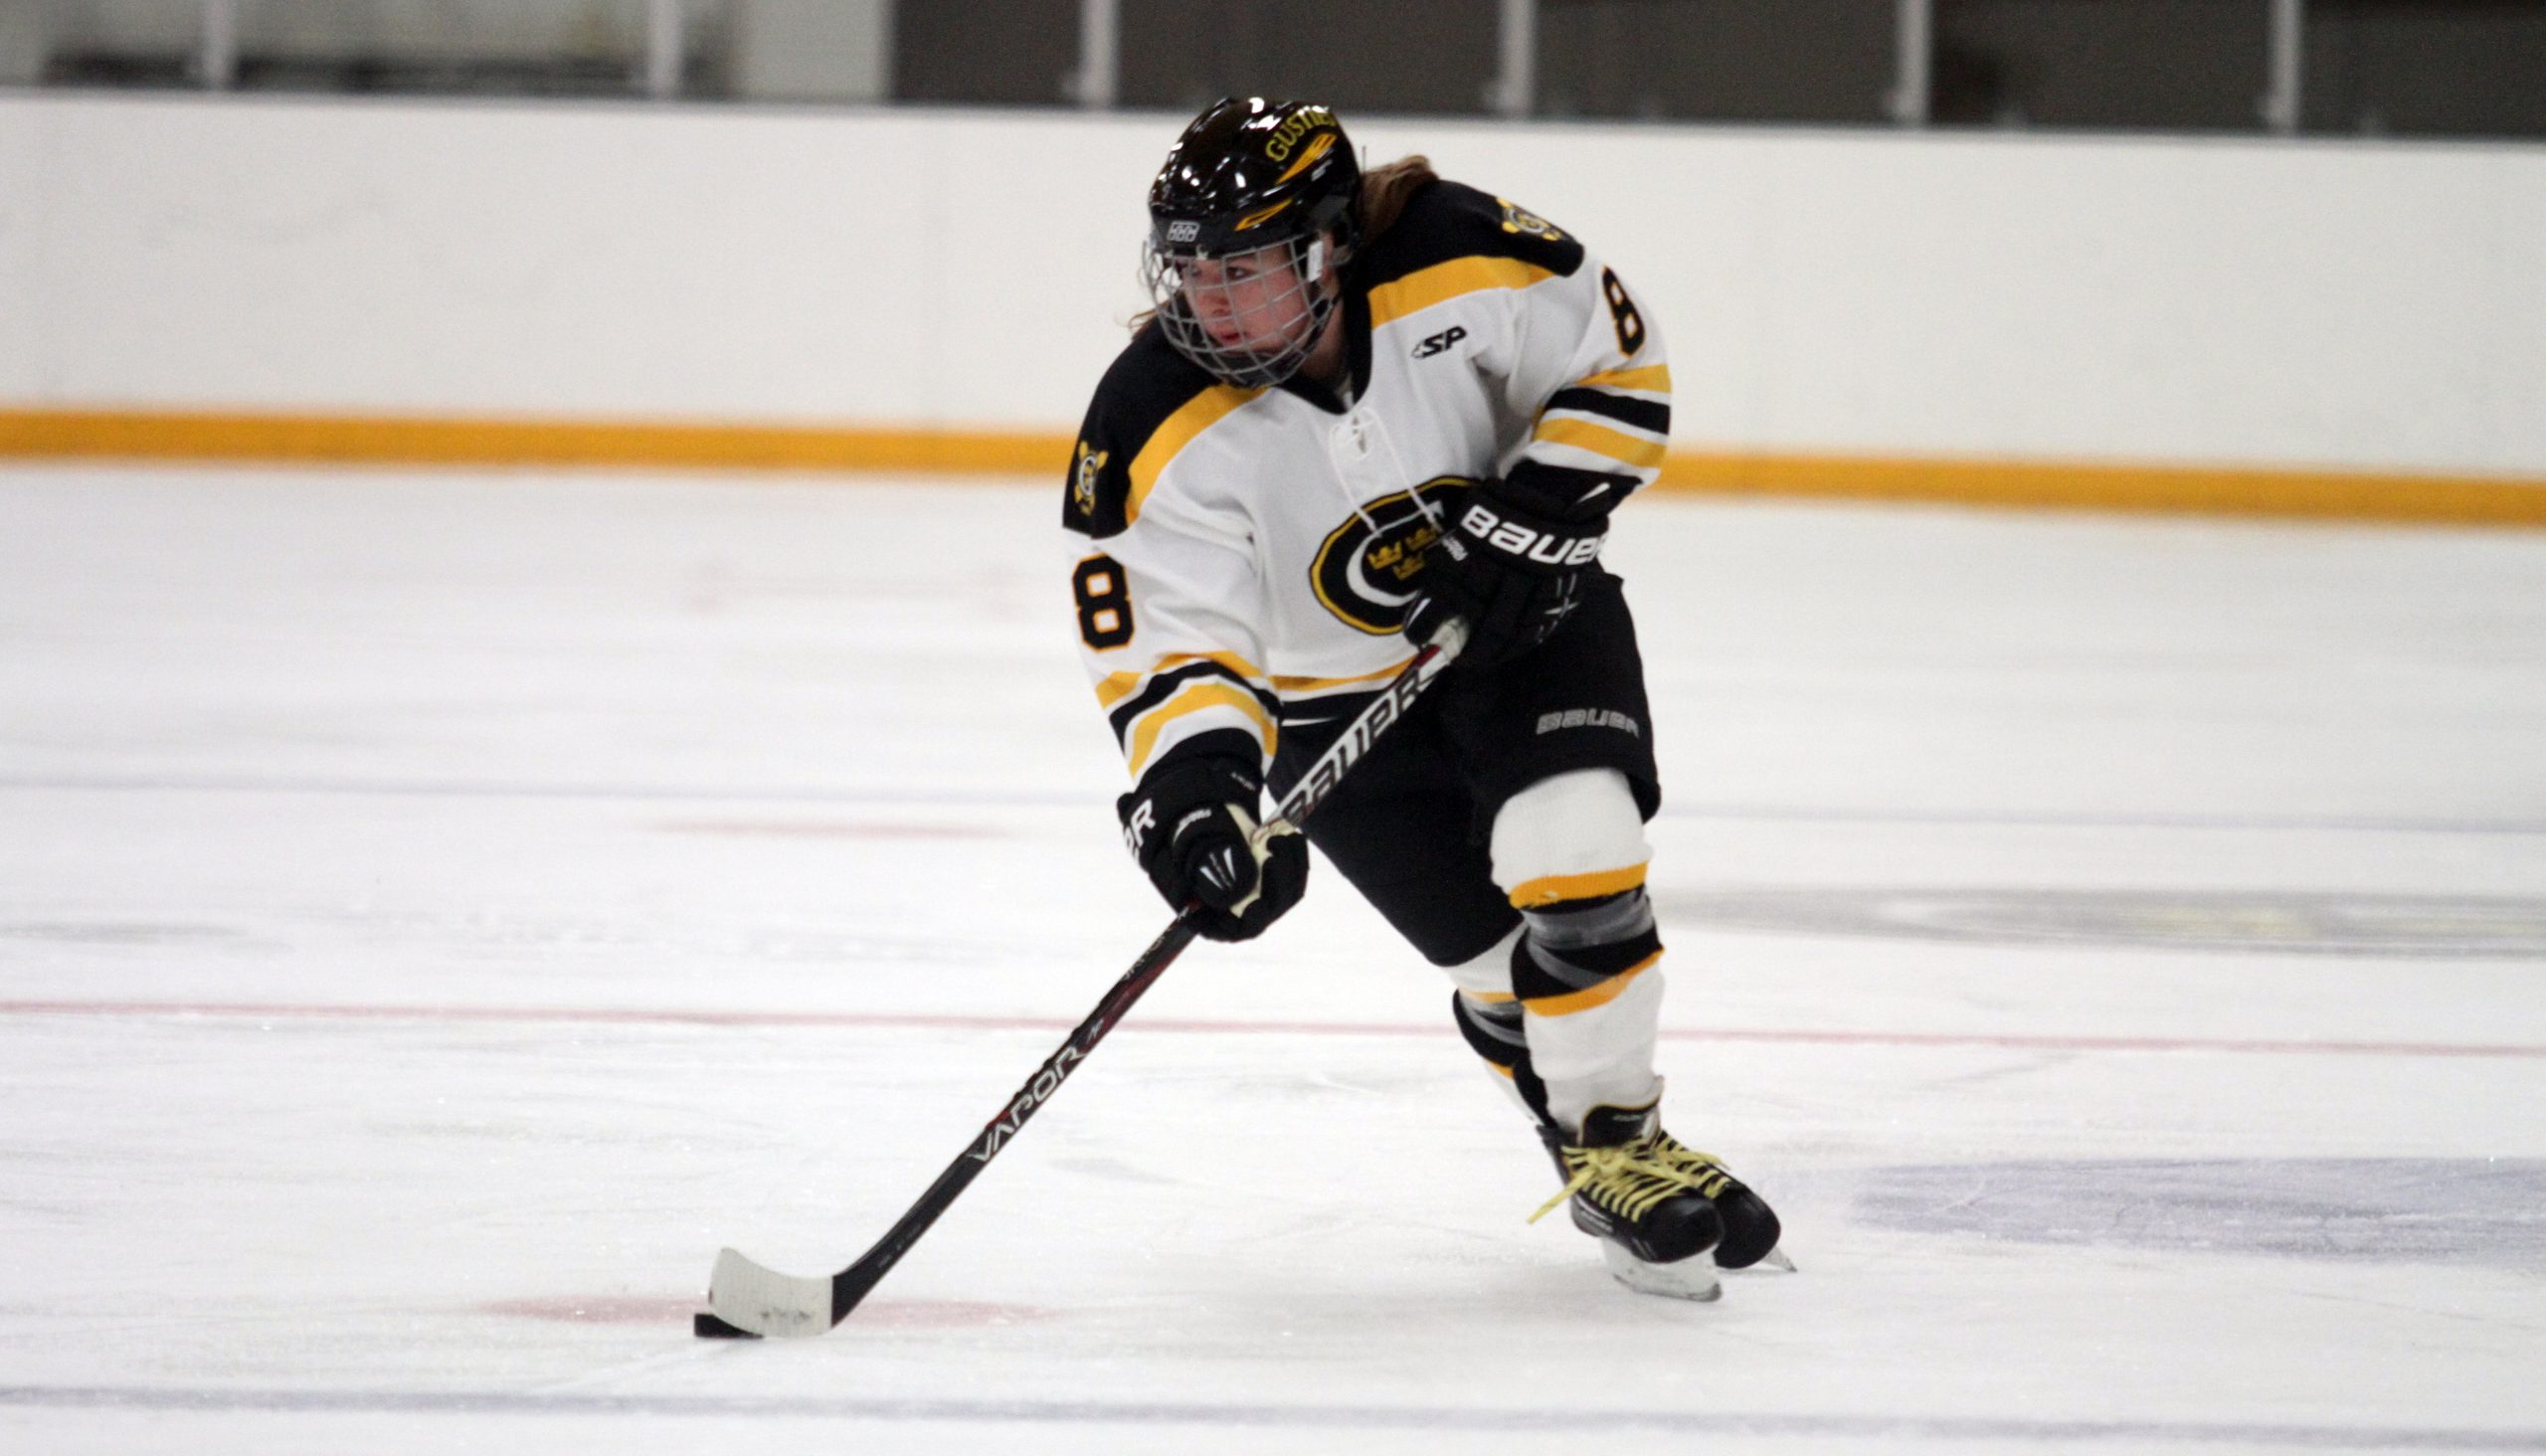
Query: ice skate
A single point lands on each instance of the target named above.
(1649, 1210)
(1750, 1227)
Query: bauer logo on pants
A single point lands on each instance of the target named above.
(1590, 719)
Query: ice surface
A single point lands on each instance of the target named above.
(438, 911)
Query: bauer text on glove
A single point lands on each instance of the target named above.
(1510, 567)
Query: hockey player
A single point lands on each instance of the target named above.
(1364, 405)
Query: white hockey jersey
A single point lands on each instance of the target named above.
(1243, 558)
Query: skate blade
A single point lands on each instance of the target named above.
(1691, 1278)
(1773, 1259)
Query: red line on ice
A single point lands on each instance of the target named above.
(642, 1016)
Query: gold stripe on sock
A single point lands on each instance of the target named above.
(1552, 889)
(1590, 995)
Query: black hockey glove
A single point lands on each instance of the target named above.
(1511, 569)
(1192, 827)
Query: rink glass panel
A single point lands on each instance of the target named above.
(1807, 61)
(1428, 56)
(2368, 68)
(2426, 68)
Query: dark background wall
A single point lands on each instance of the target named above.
(2472, 68)
(2419, 68)
(1716, 60)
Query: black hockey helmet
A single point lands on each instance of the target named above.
(1247, 217)
(1249, 173)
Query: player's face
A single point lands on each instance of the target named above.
(1252, 302)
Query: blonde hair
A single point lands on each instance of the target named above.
(1384, 191)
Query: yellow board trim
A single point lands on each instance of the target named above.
(1119, 685)
(1191, 418)
(1195, 698)
(2239, 491)
(1549, 889)
(234, 438)
(1443, 282)
(1628, 449)
(381, 439)
(1590, 995)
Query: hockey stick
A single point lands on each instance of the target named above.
(747, 1300)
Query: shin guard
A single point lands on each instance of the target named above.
(1569, 851)
(1589, 982)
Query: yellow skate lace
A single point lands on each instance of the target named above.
(1630, 1179)
(1704, 1168)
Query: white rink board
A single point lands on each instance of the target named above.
(2243, 302)
(441, 910)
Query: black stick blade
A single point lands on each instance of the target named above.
(706, 1326)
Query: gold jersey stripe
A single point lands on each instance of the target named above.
(1210, 692)
(1590, 995)
(1443, 282)
(1549, 889)
(1119, 685)
(1191, 418)
(1319, 685)
(1617, 445)
(1653, 377)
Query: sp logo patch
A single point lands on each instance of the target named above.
(1439, 342)
(1370, 567)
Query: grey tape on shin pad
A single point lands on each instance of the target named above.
(1577, 944)
(1494, 1032)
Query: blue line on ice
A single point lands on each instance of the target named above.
(1714, 1422)
(950, 798)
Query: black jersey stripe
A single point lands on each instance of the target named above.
(1232, 745)
(1326, 711)
(1565, 491)
(1653, 416)
(1164, 685)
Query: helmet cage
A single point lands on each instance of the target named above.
(1247, 219)
(1255, 329)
